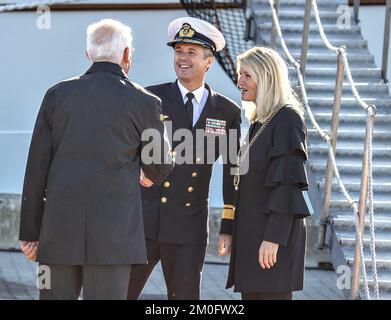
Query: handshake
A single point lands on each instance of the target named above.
(144, 181)
(29, 248)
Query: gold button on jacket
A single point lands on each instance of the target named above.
(163, 199)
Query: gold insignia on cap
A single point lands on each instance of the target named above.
(186, 31)
(163, 117)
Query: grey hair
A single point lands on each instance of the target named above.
(107, 41)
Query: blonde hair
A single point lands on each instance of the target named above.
(270, 73)
(107, 41)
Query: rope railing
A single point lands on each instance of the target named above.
(341, 51)
(371, 110)
(371, 209)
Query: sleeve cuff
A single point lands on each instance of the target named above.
(279, 228)
(226, 226)
(227, 219)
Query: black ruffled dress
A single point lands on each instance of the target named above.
(271, 207)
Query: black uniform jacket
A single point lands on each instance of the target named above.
(271, 207)
(84, 160)
(177, 210)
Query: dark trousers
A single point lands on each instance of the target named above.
(266, 295)
(99, 282)
(182, 267)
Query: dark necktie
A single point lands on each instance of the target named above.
(189, 106)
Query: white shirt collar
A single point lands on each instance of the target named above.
(198, 93)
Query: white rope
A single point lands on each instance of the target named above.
(326, 137)
(301, 79)
(354, 206)
(320, 27)
(369, 110)
(34, 4)
(342, 50)
(370, 114)
(348, 73)
(315, 124)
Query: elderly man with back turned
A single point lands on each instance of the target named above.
(81, 211)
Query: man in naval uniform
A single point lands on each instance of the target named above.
(176, 212)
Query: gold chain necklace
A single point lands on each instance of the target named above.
(245, 149)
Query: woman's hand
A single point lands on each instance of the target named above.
(268, 254)
(29, 248)
(225, 242)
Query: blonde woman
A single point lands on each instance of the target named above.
(269, 233)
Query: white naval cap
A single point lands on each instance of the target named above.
(196, 31)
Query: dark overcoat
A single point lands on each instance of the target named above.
(81, 195)
(177, 210)
(271, 207)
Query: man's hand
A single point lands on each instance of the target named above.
(29, 248)
(268, 254)
(225, 242)
(144, 181)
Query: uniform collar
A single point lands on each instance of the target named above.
(198, 93)
(105, 66)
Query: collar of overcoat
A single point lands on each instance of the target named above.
(107, 67)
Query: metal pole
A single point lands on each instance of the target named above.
(248, 16)
(306, 31)
(329, 169)
(386, 41)
(362, 206)
(274, 27)
(356, 10)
